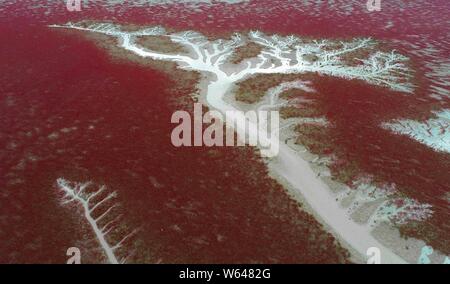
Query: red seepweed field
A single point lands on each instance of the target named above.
(70, 108)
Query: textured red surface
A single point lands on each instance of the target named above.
(50, 81)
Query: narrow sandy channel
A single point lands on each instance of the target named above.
(297, 172)
(287, 165)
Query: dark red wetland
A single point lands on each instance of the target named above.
(67, 109)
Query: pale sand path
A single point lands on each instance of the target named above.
(208, 58)
(289, 165)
